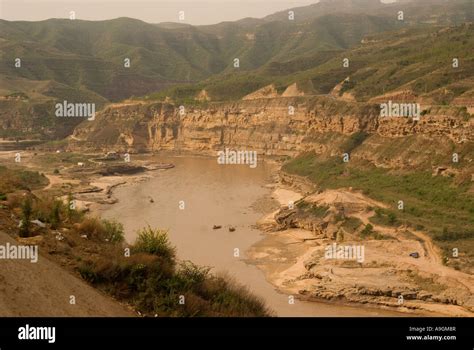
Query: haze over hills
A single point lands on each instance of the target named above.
(416, 10)
(83, 60)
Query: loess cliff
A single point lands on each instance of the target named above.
(283, 127)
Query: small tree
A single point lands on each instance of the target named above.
(367, 231)
(392, 219)
(26, 212)
(55, 217)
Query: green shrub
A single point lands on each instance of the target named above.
(301, 204)
(319, 211)
(231, 299)
(367, 231)
(351, 224)
(447, 235)
(101, 230)
(378, 212)
(113, 231)
(72, 213)
(354, 141)
(154, 241)
(55, 216)
(192, 275)
(26, 212)
(92, 228)
(430, 201)
(384, 217)
(87, 272)
(149, 280)
(12, 180)
(392, 219)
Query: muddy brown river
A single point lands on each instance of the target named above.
(199, 193)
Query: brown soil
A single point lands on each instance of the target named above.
(293, 260)
(44, 289)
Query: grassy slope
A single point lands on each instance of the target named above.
(416, 58)
(96, 50)
(12, 180)
(167, 53)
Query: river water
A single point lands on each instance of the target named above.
(199, 193)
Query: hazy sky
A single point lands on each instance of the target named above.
(152, 11)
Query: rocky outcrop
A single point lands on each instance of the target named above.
(293, 90)
(266, 92)
(203, 96)
(399, 95)
(279, 126)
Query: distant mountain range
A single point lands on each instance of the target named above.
(83, 61)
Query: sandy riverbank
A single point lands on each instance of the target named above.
(293, 259)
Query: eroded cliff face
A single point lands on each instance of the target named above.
(281, 127)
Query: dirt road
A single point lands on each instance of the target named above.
(285, 256)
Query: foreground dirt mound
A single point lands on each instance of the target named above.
(44, 289)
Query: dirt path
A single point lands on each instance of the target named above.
(285, 254)
(44, 289)
(433, 262)
(431, 250)
(53, 180)
(432, 253)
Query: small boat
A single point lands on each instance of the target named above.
(216, 227)
(231, 229)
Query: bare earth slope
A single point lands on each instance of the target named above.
(292, 258)
(44, 289)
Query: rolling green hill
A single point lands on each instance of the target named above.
(83, 61)
(91, 55)
(415, 60)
